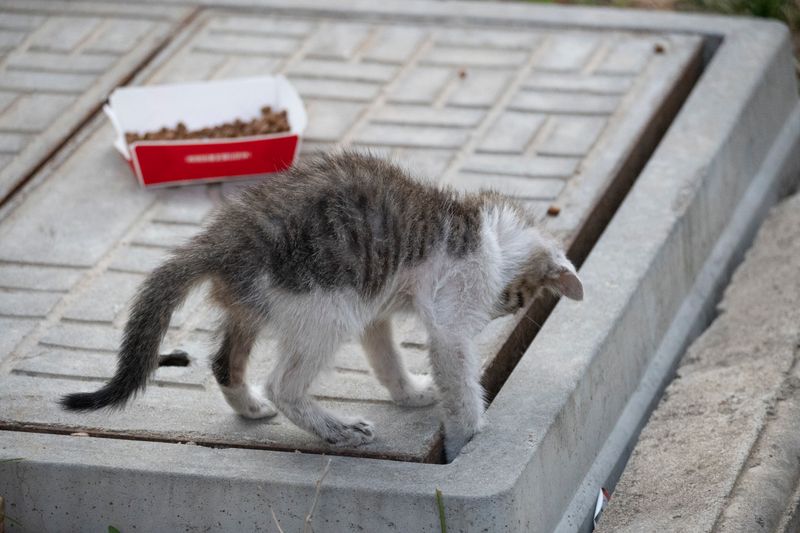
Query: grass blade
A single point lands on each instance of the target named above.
(440, 505)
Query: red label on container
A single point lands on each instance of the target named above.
(165, 162)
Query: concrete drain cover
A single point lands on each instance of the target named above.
(555, 106)
(57, 64)
(549, 117)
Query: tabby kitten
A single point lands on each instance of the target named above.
(330, 250)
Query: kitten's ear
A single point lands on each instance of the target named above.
(569, 284)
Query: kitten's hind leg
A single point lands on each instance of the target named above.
(288, 388)
(230, 364)
(406, 389)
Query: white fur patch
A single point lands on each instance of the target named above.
(246, 401)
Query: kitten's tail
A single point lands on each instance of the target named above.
(162, 292)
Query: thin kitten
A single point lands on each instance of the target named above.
(330, 250)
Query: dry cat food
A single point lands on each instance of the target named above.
(268, 122)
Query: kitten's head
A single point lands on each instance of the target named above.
(546, 268)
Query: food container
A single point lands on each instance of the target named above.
(202, 105)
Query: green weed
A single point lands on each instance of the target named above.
(440, 506)
(784, 10)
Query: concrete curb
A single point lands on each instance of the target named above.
(727, 450)
(777, 176)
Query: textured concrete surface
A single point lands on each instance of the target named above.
(58, 62)
(722, 450)
(546, 116)
(535, 466)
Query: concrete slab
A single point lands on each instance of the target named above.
(59, 67)
(126, 222)
(530, 469)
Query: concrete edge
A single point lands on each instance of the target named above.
(505, 13)
(155, 12)
(790, 522)
(777, 176)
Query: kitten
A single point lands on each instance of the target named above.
(330, 250)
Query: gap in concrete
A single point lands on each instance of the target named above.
(10, 186)
(602, 213)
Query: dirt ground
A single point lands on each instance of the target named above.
(722, 452)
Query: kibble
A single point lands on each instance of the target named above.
(553, 210)
(268, 122)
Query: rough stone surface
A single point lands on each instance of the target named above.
(722, 451)
(38, 277)
(34, 113)
(14, 330)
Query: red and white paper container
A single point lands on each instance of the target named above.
(202, 105)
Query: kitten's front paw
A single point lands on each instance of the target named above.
(350, 432)
(418, 392)
(248, 403)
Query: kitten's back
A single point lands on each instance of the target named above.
(344, 220)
